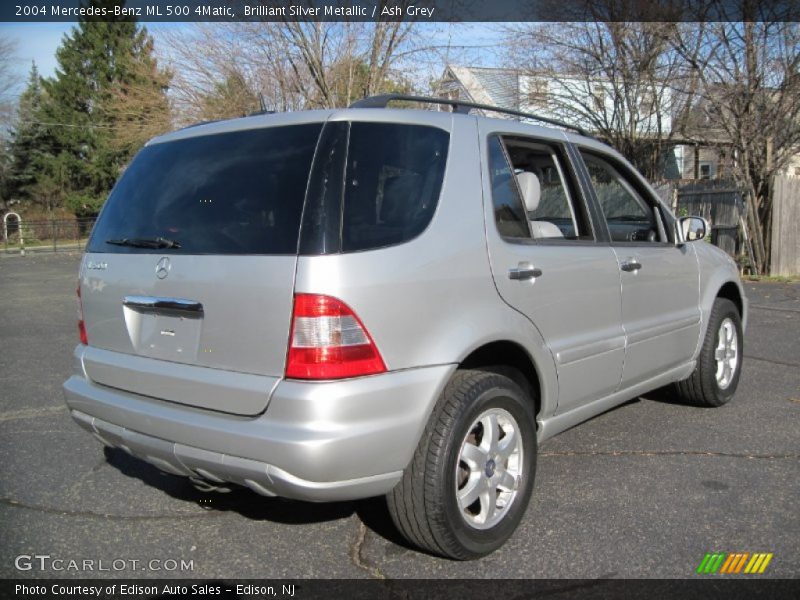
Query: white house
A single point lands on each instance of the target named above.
(570, 99)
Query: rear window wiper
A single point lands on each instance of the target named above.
(156, 242)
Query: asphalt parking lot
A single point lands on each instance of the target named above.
(644, 490)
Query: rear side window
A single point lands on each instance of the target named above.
(230, 193)
(372, 185)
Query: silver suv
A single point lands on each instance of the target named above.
(332, 305)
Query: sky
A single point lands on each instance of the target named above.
(38, 42)
(35, 42)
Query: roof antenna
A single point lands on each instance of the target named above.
(261, 103)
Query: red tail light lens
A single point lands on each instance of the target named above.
(81, 324)
(328, 341)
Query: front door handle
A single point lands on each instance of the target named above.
(630, 265)
(523, 271)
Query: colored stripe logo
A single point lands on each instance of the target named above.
(734, 563)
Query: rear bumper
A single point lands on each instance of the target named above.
(338, 440)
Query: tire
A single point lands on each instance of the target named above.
(455, 456)
(712, 383)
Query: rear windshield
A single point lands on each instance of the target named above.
(230, 193)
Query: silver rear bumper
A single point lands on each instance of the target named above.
(338, 440)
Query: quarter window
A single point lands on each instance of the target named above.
(372, 185)
(509, 213)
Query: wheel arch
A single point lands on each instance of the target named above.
(732, 292)
(523, 368)
(724, 287)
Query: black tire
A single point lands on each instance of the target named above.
(702, 387)
(423, 505)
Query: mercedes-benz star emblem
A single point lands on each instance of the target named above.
(162, 268)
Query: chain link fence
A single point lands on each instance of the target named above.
(52, 235)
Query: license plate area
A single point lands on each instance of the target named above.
(164, 334)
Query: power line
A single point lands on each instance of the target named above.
(87, 126)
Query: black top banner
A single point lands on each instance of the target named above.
(400, 10)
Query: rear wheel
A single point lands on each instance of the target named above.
(716, 376)
(471, 477)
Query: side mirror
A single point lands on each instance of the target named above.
(693, 228)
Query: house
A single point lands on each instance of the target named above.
(545, 96)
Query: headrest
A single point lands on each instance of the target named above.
(530, 188)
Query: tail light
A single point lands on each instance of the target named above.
(328, 341)
(81, 324)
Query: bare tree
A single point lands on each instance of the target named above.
(214, 74)
(749, 99)
(331, 64)
(617, 79)
(8, 80)
(138, 106)
(288, 64)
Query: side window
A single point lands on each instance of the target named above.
(629, 217)
(393, 178)
(551, 205)
(509, 213)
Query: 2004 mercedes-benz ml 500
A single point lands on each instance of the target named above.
(331, 305)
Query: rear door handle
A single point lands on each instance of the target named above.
(523, 271)
(631, 264)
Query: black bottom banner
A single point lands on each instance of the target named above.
(352, 589)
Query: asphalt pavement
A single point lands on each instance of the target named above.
(642, 491)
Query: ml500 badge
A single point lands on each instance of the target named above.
(97, 266)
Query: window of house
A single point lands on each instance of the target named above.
(647, 104)
(599, 97)
(537, 93)
(705, 171)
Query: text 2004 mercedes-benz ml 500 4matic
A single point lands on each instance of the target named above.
(339, 304)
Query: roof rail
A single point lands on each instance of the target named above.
(259, 112)
(198, 124)
(459, 106)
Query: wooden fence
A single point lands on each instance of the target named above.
(721, 204)
(785, 226)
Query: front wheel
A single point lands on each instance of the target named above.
(472, 474)
(719, 365)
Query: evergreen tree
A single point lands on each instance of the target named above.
(28, 140)
(5, 172)
(95, 62)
